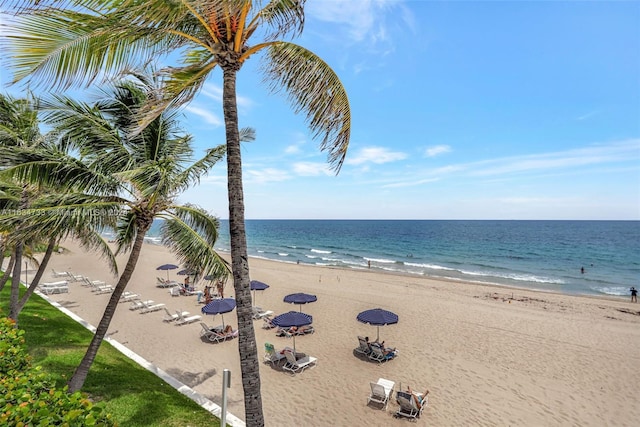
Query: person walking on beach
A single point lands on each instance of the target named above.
(634, 294)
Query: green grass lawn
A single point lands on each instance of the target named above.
(133, 395)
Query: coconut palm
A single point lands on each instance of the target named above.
(94, 37)
(121, 180)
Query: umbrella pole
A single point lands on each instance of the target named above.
(378, 338)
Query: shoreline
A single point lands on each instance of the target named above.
(491, 355)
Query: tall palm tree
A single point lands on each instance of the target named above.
(76, 44)
(121, 180)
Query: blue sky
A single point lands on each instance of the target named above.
(460, 110)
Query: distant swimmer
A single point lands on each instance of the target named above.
(582, 270)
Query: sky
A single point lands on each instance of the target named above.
(460, 110)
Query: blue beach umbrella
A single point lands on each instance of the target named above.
(378, 317)
(257, 286)
(167, 267)
(300, 298)
(292, 318)
(219, 306)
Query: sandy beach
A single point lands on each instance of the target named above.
(490, 356)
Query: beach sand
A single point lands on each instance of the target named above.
(490, 356)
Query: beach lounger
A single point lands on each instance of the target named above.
(363, 347)
(267, 323)
(75, 277)
(60, 273)
(218, 336)
(295, 365)
(164, 283)
(272, 356)
(378, 354)
(128, 296)
(174, 291)
(259, 313)
(168, 317)
(381, 391)
(138, 304)
(182, 320)
(208, 332)
(408, 406)
(149, 308)
(54, 287)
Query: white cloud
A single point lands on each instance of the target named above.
(214, 92)
(377, 155)
(311, 169)
(436, 150)
(205, 114)
(266, 175)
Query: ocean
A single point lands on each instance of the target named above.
(572, 257)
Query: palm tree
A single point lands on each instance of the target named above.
(126, 181)
(75, 45)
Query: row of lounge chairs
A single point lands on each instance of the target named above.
(58, 287)
(292, 363)
(375, 351)
(411, 404)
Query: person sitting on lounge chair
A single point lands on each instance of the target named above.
(227, 330)
(387, 351)
(419, 399)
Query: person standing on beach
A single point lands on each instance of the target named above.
(634, 294)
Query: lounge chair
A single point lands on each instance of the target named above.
(148, 308)
(267, 323)
(259, 313)
(138, 304)
(168, 317)
(128, 296)
(272, 356)
(295, 365)
(408, 406)
(60, 273)
(164, 283)
(59, 287)
(207, 332)
(302, 330)
(75, 277)
(219, 336)
(364, 347)
(381, 391)
(380, 355)
(182, 320)
(174, 291)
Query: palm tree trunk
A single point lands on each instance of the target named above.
(36, 279)
(7, 272)
(15, 283)
(80, 375)
(249, 364)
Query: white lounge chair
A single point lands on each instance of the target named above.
(60, 273)
(182, 320)
(138, 304)
(381, 391)
(75, 277)
(295, 365)
(148, 308)
(380, 355)
(128, 296)
(54, 287)
(408, 406)
(218, 335)
(168, 317)
(364, 347)
(208, 332)
(259, 313)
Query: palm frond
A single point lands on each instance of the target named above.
(191, 233)
(314, 89)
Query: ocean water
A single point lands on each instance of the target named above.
(543, 255)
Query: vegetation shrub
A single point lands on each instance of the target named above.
(28, 397)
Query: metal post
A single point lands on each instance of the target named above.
(226, 383)
(26, 280)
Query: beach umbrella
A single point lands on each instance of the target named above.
(378, 317)
(219, 306)
(292, 318)
(167, 267)
(257, 286)
(300, 298)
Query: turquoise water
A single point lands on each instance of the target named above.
(544, 255)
